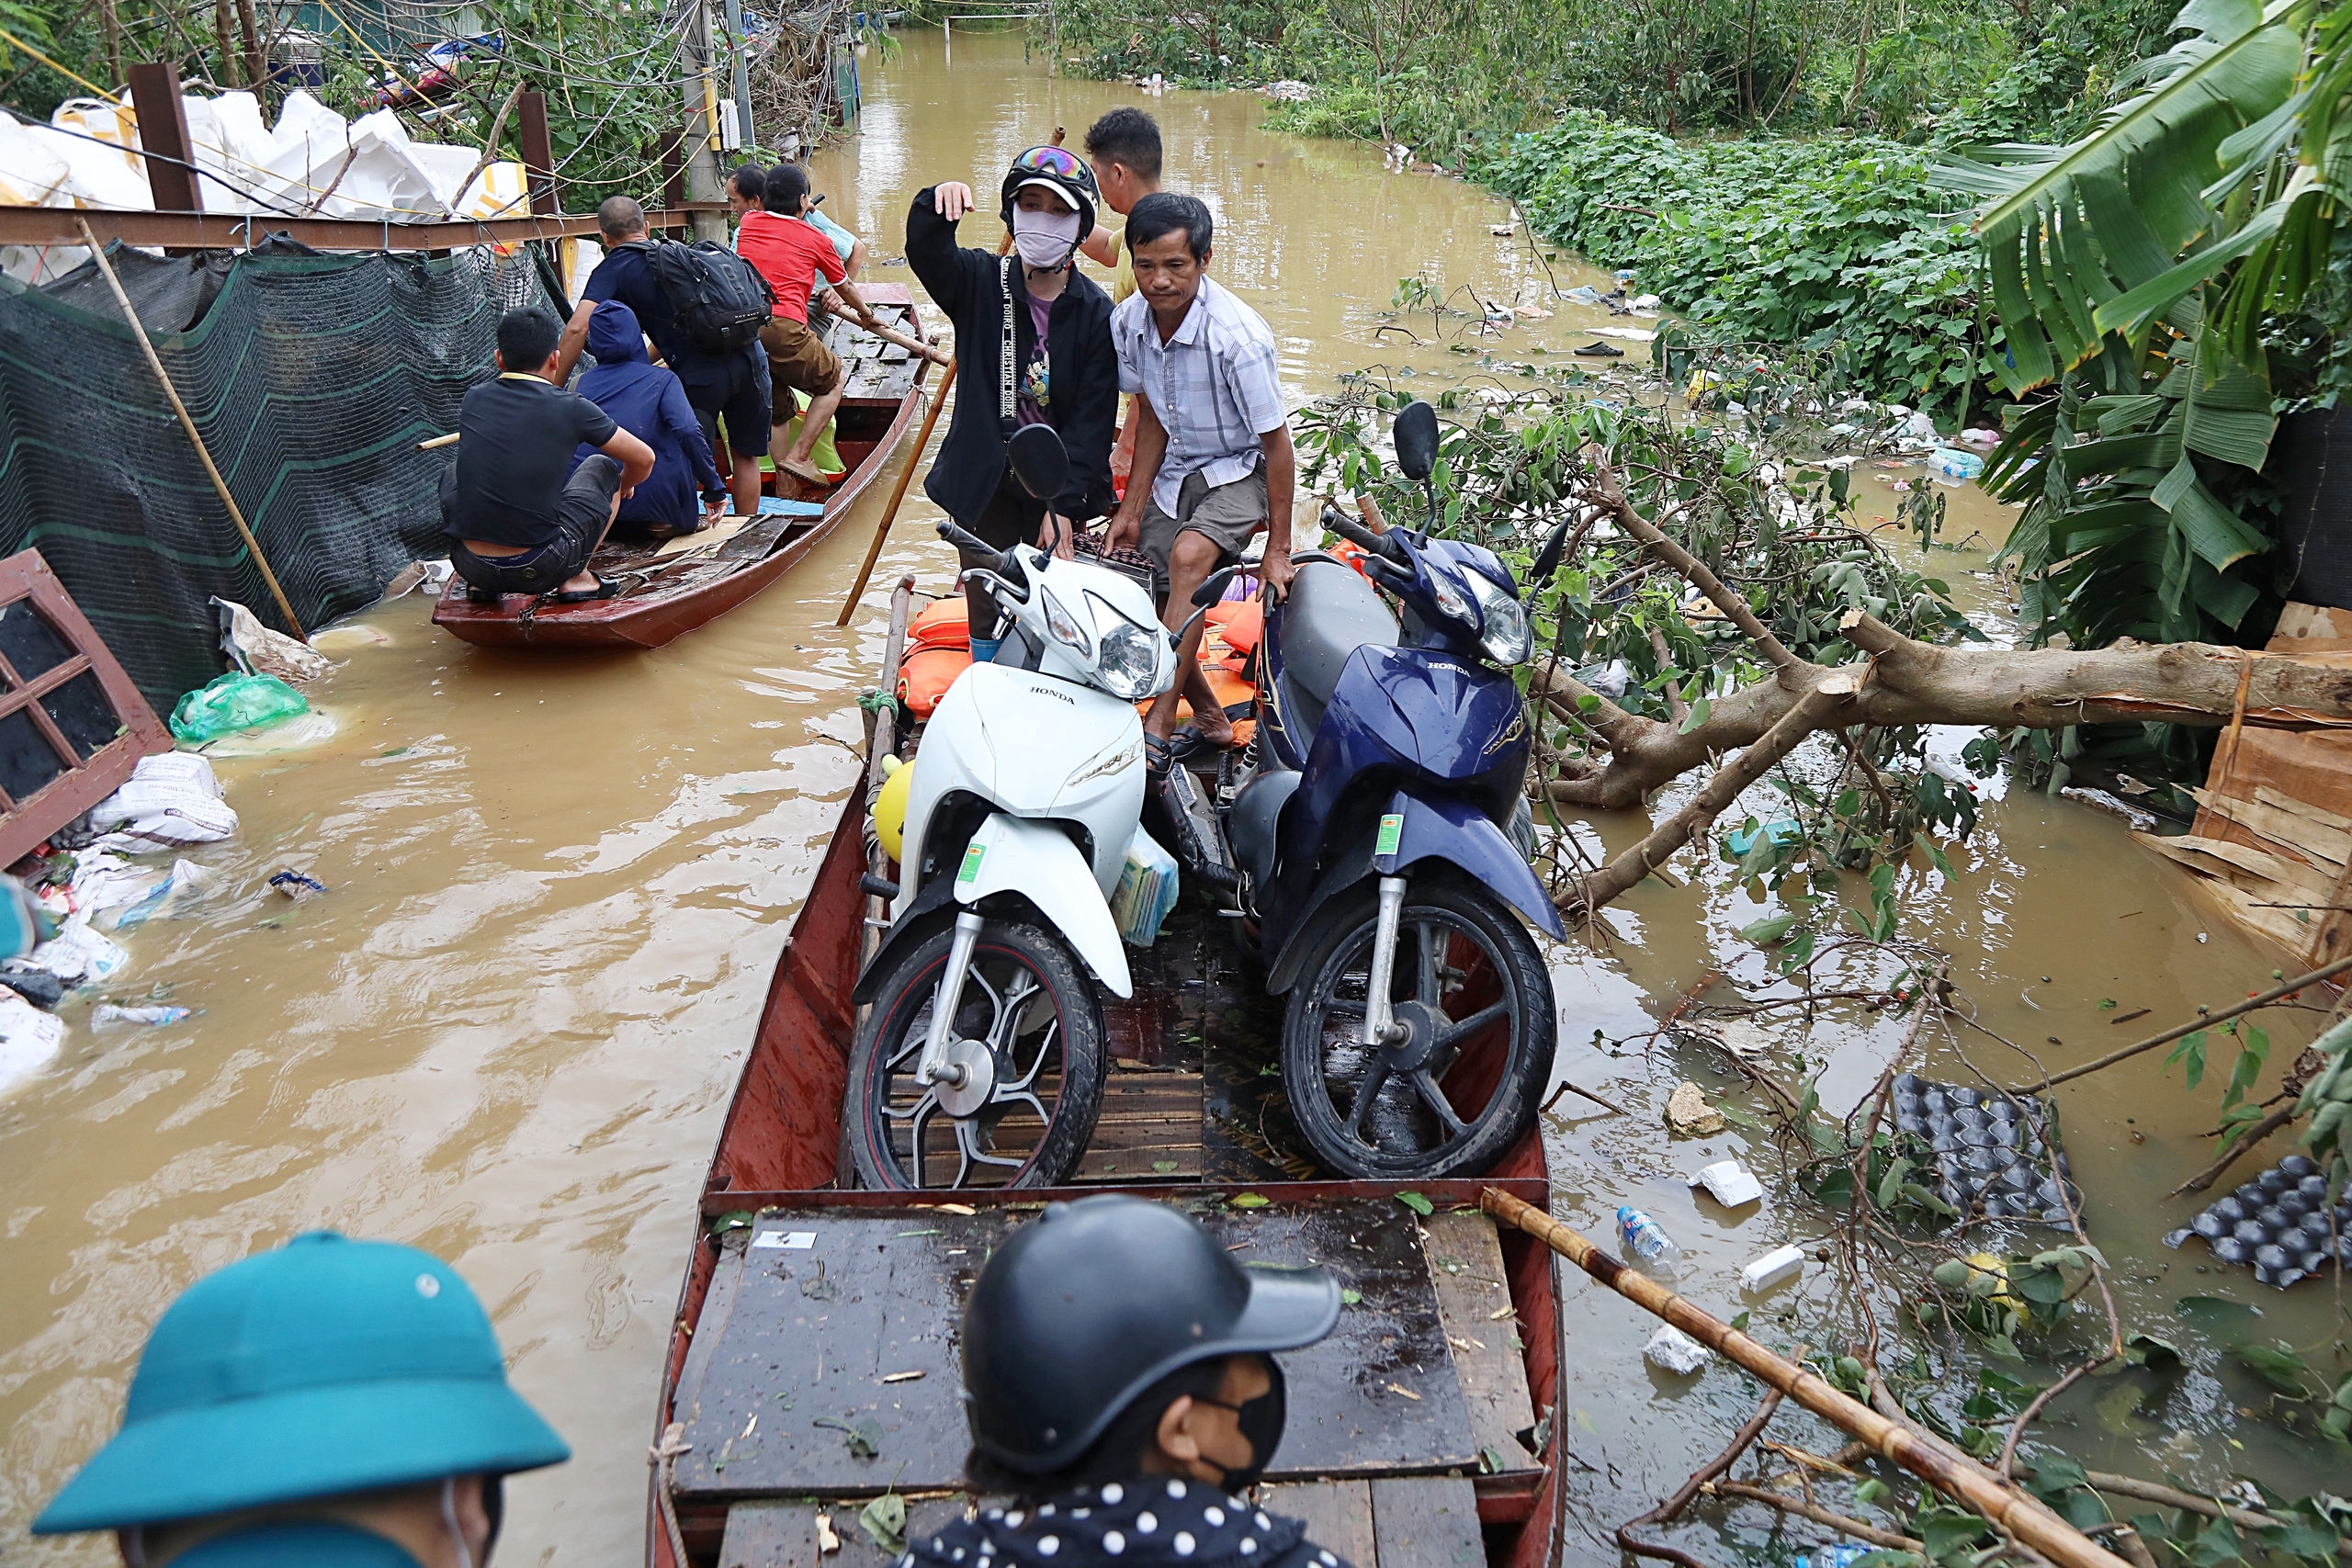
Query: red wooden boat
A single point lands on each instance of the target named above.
(813, 1364)
(667, 594)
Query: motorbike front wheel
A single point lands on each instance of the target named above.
(1027, 1021)
(1457, 1084)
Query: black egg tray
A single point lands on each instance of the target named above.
(2278, 1223)
(1985, 1147)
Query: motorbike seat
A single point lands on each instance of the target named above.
(1330, 612)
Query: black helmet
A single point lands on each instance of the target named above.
(1093, 1302)
(1064, 171)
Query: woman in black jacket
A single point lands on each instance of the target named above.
(1062, 370)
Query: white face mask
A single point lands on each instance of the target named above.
(449, 1517)
(1044, 239)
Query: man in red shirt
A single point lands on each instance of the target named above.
(789, 254)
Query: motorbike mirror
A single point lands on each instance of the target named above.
(1040, 463)
(1213, 587)
(1416, 436)
(1548, 559)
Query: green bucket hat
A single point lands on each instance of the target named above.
(326, 1366)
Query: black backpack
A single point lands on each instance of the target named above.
(718, 300)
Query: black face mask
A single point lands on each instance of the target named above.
(493, 1503)
(1260, 1420)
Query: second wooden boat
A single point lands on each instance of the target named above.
(665, 594)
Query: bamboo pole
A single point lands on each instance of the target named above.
(154, 363)
(2031, 1524)
(898, 494)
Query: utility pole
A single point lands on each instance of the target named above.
(742, 74)
(702, 124)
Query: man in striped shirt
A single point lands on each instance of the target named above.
(1213, 460)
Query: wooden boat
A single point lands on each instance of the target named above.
(1420, 1432)
(673, 590)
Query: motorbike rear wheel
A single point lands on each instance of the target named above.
(1026, 1001)
(1454, 1095)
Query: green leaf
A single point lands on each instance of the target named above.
(2147, 1351)
(1697, 715)
(1767, 931)
(885, 1523)
(1412, 1200)
(1350, 1298)
(2278, 1366)
(1258, 1200)
(1873, 1491)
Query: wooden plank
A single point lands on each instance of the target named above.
(539, 160)
(162, 121)
(1338, 1515)
(814, 1329)
(2235, 863)
(717, 534)
(1149, 1129)
(1466, 1266)
(763, 1534)
(2299, 833)
(1428, 1521)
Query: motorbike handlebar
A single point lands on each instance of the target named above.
(964, 538)
(1355, 533)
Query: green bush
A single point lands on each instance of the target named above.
(1835, 245)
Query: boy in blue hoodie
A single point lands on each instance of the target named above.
(650, 403)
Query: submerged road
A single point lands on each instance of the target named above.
(558, 887)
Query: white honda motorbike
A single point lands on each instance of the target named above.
(980, 1058)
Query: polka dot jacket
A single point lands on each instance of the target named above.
(1150, 1522)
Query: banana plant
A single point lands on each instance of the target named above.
(2225, 154)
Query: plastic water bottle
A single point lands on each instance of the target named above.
(1838, 1556)
(1652, 1250)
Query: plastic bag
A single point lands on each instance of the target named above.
(234, 702)
(170, 800)
(1147, 890)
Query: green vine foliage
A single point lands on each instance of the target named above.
(1821, 245)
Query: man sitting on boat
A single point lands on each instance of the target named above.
(517, 524)
(1121, 1387)
(1214, 461)
(649, 402)
(1033, 341)
(333, 1403)
(791, 255)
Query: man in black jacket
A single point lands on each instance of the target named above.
(1063, 372)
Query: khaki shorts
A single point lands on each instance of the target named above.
(799, 359)
(1225, 516)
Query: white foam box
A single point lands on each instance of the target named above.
(1781, 1263)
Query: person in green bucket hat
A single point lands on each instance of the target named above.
(333, 1403)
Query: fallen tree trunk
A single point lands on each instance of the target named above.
(1916, 682)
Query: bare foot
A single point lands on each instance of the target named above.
(581, 582)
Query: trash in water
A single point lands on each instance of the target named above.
(169, 800)
(1990, 1148)
(29, 1037)
(1780, 1263)
(2100, 800)
(234, 702)
(431, 576)
(1729, 1183)
(1953, 463)
(78, 955)
(1502, 230)
(106, 1012)
(1583, 294)
(258, 650)
(1978, 435)
(20, 921)
(1671, 1350)
(38, 986)
(1645, 304)
(1844, 1554)
(1918, 423)
(187, 881)
(1288, 91)
(2279, 1223)
(1689, 1114)
(1647, 1246)
(295, 885)
(1610, 680)
(1598, 350)
(1781, 831)
(290, 734)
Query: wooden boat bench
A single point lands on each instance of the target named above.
(826, 1371)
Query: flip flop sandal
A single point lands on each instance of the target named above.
(484, 596)
(606, 589)
(807, 473)
(1158, 756)
(1189, 742)
(1599, 351)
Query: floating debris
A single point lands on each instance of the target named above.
(1987, 1147)
(1689, 1114)
(2279, 1223)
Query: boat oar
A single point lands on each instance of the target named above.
(219, 485)
(2031, 1524)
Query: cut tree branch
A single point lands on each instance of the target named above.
(1734, 605)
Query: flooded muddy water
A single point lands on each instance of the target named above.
(557, 887)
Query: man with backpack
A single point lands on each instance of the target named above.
(703, 306)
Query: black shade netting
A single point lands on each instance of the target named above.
(310, 377)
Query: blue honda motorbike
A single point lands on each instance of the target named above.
(1377, 840)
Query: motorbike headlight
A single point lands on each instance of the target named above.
(1505, 637)
(1128, 663)
(1065, 627)
(1450, 602)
